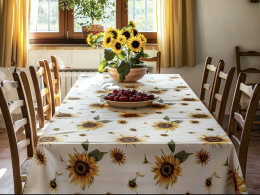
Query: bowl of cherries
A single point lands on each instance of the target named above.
(129, 98)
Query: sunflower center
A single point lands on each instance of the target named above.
(133, 129)
(96, 105)
(208, 182)
(114, 34)
(164, 135)
(181, 86)
(195, 122)
(213, 139)
(127, 35)
(89, 125)
(188, 99)
(130, 115)
(63, 115)
(118, 156)
(200, 115)
(184, 104)
(53, 184)
(132, 184)
(81, 168)
(158, 106)
(167, 169)
(165, 125)
(101, 91)
(41, 158)
(47, 139)
(73, 98)
(118, 46)
(135, 44)
(203, 158)
(135, 32)
(129, 139)
(108, 40)
(210, 129)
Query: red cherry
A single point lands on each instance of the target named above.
(132, 99)
(151, 96)
(135, 96)
(143, 95)
(139, 98)
(121, 99)
(106, 97)
(134, 92)
(130, 95)
(115, 91)
(109, 94)
(119, 94)
(116, 98)
(145, 99)
(111, 97)
(126, 93)
(126, 99)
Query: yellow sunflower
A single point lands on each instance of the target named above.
(63, 115)
(122, 122)
(202, 157)
(116, 46)
(142, 37)
(40, 158)
(129, 140)
(82, 169)
(107, 40)
(208, 184)
(97, 106)
(214, 140)
(156, 106)
(132, 185)
(127, 33)
(114, 32)
(200, 116)
(134, 32)
(236, 182)
(135, 44)
(131, 115)
(53, 186)
(167, 170)
(131, 23)
(117, 156)
(165, 126)
(121, 39)
(50, 139)
(90, 39)
(90, 125)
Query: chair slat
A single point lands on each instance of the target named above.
(223, 75)
(8, 85)
(239, 119)
(207, 87)
(249, 53)
(45, 108)
(15, 104)
(40, 72)
(44, 91)
(235, 141)
(19, 123)
(251, 70)
(22, 144)
(156, 59)
(56, 96)
(53, 64)
(55, 81)
(246, 89)
(218, 97)
(211, 67)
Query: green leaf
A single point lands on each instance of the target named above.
(182, 156)
(164, 89)
(177, 121)
(166, 118)
(123, 70)
(85, 145)
(156, 88)
(171, 145)
(105, 121)
(96, 118)
(170, 104)
(122, 55)
(160, 101)
(109, 54)
(97, 155)
(102, 66)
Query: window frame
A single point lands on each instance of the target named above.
(66, 34)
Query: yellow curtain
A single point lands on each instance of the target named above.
(14, 32)
(176, 32)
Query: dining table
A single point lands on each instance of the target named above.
(172, 146)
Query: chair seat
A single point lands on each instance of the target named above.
(244, 102)
(25, 168)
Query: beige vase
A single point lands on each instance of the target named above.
(134, 74)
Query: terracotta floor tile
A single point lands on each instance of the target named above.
(257, 190)
(1, 149)
(4, 143)
(3, 135)
(252, 167)
(6, 154)
(254, 180)
(7, 179)
(248, 185)
(250, 190)
(6, 163)
(253, 155)
(5, 189)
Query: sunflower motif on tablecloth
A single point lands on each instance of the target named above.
(174, 77)
(122, 122)
(53, 186)
(167, 170)
(184, 104)
(157, 92)
(118, 157)
(210, 129)
(82, 169)
(50, 139)
(189, 99)
(73, 98)
(40, 158)
(97, 106)
(214, 140)
(156, 106)
(131, 115)
(102, 91)
(182, 87)
(63, 115)
(164, 135)
(202, 157)
(131, 86)
(132, 184)
(133, 129)
(208, 182)
(235, 182)
(132, 140)
(200, 116)
(195, 122)
(165, 126)
(90, 125)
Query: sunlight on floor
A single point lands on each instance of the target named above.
(2, 172)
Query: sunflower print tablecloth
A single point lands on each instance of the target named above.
(172, 146)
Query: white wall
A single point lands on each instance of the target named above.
(220, 26)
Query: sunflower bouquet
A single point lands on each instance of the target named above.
(123, 49)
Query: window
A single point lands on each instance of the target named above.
(49, 24)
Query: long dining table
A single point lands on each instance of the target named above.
(172, 146)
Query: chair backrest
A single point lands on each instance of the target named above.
(246, 123)
(220, 75)
(156, 59)
(12, 127)
(41, 93)
(55, 93)
(248, 53)
(204, 85)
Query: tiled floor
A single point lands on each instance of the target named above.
(6, 179)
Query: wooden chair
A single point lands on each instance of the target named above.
(156, 59)
(19, 170)
(204, 86)
(244, 102)
(246, 123)
(220, 75)
(56, 82)
(41, 93)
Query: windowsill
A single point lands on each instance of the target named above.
(149, 46)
